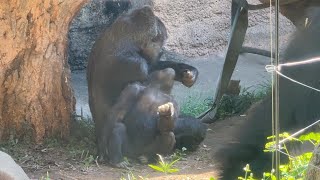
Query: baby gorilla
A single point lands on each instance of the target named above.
(138, 133)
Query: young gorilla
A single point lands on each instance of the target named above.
(150, 110)
(299, 107)
(135, 111)
(127, 52)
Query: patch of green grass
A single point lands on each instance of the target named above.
(229, 105)
(233, 105)
(194, 106)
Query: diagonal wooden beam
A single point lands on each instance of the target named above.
(238, 32)
(266, 4)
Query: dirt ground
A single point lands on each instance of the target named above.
(58, 161)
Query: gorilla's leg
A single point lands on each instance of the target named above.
(164, 142)
(166, 118)
(118, 143)
(106, 117)
(299, 106)
(127, 99)
(189, 132)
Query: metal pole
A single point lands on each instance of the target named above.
(276, 91)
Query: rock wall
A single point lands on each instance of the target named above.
(92, 19)
(202, 27)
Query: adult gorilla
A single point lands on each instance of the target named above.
(127, 52)
(299, 106)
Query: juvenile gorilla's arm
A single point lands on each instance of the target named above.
(127, 99)
(184, 73)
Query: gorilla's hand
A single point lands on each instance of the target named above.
(189, 77)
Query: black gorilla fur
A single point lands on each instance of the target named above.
(299, 107)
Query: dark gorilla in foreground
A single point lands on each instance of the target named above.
(299, 107)
(148, 119)
(126, 53)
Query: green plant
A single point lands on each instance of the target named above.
(164, 166)
(179, 154)
(312, 137)
(296, 168)
(247, 176)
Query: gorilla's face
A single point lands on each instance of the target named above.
(153, 49)
(144, 29)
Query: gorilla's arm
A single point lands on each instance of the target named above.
(184, 73)
(133, 67)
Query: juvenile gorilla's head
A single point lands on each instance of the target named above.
(143, 29)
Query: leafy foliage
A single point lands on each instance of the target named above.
(179, 154)
(296, 167)
(164, 166)
(232, 105)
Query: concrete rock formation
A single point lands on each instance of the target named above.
(9, 169)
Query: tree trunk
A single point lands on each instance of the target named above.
(313, 172)
(36, 98)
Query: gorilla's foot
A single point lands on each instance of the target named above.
(143, 159)
(166, 117)
(123, 165)
(166, 110)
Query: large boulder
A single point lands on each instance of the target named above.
(9, 169)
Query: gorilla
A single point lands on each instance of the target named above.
(128, 52)
(148, 119)
(299, 107)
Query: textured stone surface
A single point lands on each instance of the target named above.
(202, 27)
(91, 20)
